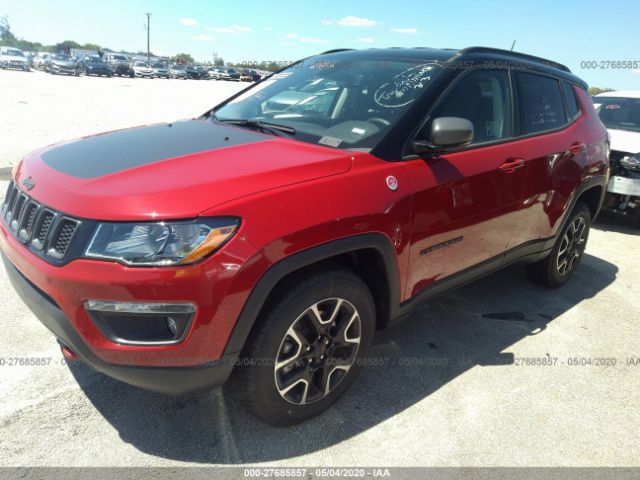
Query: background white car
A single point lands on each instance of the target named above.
(143, 69)
(11, 57)
(620, 113)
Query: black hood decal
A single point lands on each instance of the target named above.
(100, 155)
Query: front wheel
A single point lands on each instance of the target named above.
(565, 256)
(307, 347)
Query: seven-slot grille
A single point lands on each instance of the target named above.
(41, 228)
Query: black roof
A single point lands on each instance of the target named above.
(472, 54)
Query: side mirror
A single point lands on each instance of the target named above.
(451, 132)
(446, 132)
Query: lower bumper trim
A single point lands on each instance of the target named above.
(166, 380)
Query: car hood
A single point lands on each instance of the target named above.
(624, 140)
(170, 171)
(63, 63)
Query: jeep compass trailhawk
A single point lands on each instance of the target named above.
(265, 241)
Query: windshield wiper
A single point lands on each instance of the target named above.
(274, 128)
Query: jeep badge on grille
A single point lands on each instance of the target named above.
(28, 183)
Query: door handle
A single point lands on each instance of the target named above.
(577, 147)
(512, 164)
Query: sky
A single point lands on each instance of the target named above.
(570, 32)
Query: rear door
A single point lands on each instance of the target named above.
(553, 148)
(465, 203)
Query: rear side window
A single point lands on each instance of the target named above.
(573, 109)
(540, 103)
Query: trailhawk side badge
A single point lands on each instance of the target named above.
(392, 183)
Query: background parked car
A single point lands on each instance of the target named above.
(160, 70)
(62, 63)
(94, 65)
(224, 73)
(143, 69)
(620, 113)
(247, 75)
(178, 71)
(13, 58)
(196, 72)
(40, 59)
(119, 63)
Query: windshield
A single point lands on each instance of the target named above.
(119, 57)
(141, 64)
(13, 52)
(340, 101)
(93, 59)
(61, 56)
(619, 113)
(158, 65)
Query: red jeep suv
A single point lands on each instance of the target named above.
(265, 241)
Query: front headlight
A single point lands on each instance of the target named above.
(631, 162)
(161, 243)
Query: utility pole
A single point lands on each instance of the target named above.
(148, 25)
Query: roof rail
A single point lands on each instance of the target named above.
(336, 50)
(510, 53)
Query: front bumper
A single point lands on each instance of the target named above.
(63, 69)
(217, 286)
(166, 380)
(15, 64)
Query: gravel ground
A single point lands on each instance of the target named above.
(38, 109)
(482, 405)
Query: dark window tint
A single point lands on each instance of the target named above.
(540, 103)
(573, 109)
(619, 113)
(483, 98)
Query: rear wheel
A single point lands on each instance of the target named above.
(561, 264)
(304, 352)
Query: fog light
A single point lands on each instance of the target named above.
(172, 324)
(133, 323)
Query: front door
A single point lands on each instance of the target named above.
(465, 204)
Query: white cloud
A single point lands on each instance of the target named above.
(202, 38)
(318, 41)
(234, 29)
(365, 40)
(406, 31)
(637, 71)
(351, 21)
(189, 22)
(294, 36)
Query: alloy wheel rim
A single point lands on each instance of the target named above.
(572, 246)
(317, 351)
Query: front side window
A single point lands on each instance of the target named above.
(540, 103)
(483, 98)
(341, 100)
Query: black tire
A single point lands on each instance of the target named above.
(560, 265)
(345, 303)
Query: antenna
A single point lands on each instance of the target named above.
(513, 45)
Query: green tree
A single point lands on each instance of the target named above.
(66, 46)
(183, 58)
(596, 90)
(6, 35)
